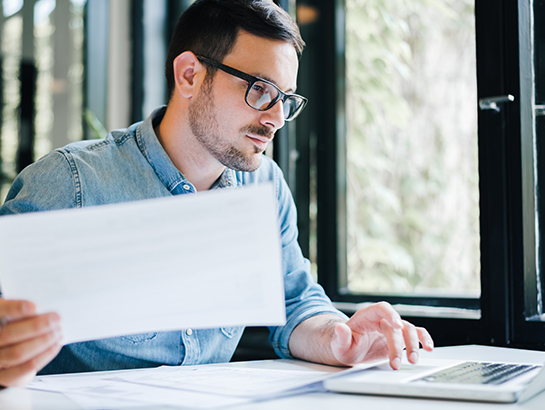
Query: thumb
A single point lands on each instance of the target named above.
(342, 339)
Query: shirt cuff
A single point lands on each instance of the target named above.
(281, 341)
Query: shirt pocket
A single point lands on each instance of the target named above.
(140, 337)
(231, 332)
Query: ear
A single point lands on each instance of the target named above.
(188, 73)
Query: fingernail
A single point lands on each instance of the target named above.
(413, 357)
(55, 318)
(26, 308)
(396, 363)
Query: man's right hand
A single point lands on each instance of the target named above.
(27, 341)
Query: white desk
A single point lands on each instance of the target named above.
(24, 399)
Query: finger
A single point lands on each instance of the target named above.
(412, 343)
(16, 309)
(22, 374)
(374, 314)
(394, 339)
(26, 329)
(343, 336)
(342, 341)
(20, 353)
(425, 339)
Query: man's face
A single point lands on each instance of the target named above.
(228, 129)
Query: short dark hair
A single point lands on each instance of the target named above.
(210, 28)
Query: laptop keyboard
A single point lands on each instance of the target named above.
(479, 373)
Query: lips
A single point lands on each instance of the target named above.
(260, 142)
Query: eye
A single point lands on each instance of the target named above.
(259, 88)
(261, 95)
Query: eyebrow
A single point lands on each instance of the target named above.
(242, 73)
(264, 77)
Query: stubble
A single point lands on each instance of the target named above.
(204, 125)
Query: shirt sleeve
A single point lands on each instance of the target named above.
(304, 297)
(47, 184)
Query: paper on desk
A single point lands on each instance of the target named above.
(102, 390)
(229, 381)
(202, 386)
(201, 261)
(257, 380)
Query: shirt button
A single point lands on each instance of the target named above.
(189, 332)
(186, 187)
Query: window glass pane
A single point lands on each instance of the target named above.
(413, 199)
(42, 49)
(539, 115)
(58, 31)
(10, 62)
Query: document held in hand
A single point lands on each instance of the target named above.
(190, 261)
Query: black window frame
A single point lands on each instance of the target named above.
(507, 201)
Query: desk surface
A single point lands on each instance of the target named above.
(25, 399)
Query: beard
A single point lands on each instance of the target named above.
(204, 125)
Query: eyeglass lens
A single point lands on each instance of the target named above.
(261, 95)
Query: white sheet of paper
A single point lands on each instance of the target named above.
(257, 380)
(191, 261)
(201, 386)
(228, 380)
(98, 390)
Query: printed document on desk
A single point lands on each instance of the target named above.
(196, 387)
(191, 261)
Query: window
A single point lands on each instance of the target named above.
(539, 113)
(528, 312)
(497, 245)
(412, 171)
(70, 70)
(41, 68)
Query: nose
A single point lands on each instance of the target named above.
(274, 116)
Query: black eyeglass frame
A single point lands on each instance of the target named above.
(251, 80)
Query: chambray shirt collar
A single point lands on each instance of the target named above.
(159, 160)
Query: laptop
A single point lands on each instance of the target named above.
(499, 382)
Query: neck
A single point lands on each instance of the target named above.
(186, 153)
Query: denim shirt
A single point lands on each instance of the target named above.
(130, 165)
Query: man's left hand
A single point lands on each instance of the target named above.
(376, 332)
(373, 333)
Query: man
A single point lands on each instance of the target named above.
(231, 72)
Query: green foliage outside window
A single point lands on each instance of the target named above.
(413, 212)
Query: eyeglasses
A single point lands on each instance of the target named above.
(262, 94)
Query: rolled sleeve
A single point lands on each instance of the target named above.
(280, 340)
(304, 297)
